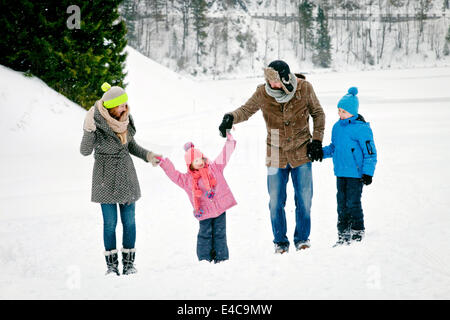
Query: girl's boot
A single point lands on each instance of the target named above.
(343, 239)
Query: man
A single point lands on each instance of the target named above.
(286, 100)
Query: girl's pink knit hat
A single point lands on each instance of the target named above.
(191, 153)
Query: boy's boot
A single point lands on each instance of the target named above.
(112, 262)
(357, 235)
(343, 239)
(128, 256)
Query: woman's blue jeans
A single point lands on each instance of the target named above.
(127, 216)
(277, 179)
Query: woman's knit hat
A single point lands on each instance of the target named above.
(191, 153)
(350, 102)
(113, 96)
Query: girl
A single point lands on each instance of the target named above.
(210, 196)
(109, 130)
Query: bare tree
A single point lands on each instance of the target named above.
(422, 8)
(183, 6)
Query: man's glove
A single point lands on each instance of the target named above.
(314, 150)
(366, 179)
(227, 123)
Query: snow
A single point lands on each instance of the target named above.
(356, 45)
(51, 234)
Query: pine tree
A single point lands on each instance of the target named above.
(129, 14)
(322, 46)
(200, 24)
(306, 22)
(74, 62)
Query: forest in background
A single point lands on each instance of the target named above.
(220, 38)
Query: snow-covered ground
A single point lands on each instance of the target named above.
(51, 234)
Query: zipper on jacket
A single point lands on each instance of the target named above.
(354, 159)
(369, 147)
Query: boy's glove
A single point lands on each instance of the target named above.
(227, 123)
(89, 123)
(314, 150)
(153, 158)
(366, 179)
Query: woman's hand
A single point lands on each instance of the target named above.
(89, 123)
(154, 158)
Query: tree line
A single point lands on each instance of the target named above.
(312, 37)
(75, 47)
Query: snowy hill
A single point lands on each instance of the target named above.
(51, 234)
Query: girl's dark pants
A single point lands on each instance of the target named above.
(212, 239)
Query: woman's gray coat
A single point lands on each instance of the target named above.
(114, 178)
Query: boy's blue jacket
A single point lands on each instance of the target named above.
(352, 148)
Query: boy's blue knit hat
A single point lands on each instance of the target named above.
(350, 102)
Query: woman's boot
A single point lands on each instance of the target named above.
(128, 256)
(112, 262)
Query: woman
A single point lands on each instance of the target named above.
(109, 130)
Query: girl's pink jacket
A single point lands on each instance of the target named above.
(223, 198)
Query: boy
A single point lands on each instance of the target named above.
(354, 158)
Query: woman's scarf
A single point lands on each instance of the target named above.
(120, 127)
(208, 181)
(279, 95)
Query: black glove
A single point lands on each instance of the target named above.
(366, 179)
(314, 150)
(227, 123)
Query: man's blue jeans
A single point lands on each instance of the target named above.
(127, 215)
(277, 179)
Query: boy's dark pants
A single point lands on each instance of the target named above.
(350, 213)
(212, 239)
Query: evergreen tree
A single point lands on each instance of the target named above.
(129, 14)
(306, 22)
(322, 46)
(200, 23)
(75, 62)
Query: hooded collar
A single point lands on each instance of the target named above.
(353, 119)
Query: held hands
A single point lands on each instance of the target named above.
(89, 123)
(154, 158)
(227, 124)
(314, 150)
(366, 179)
